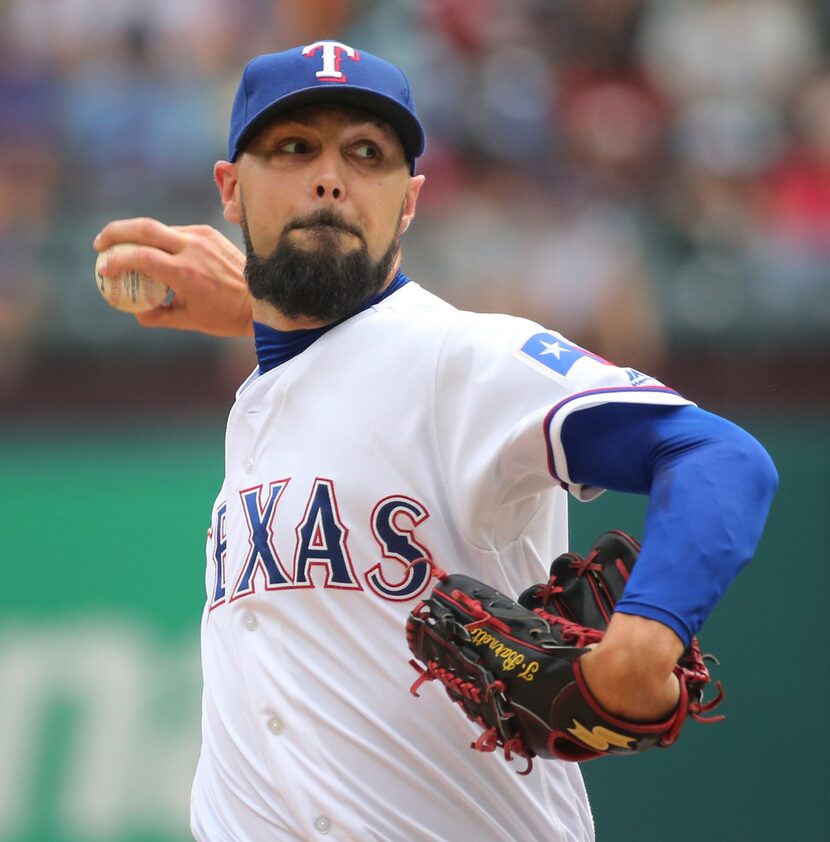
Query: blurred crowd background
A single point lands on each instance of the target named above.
(650, 178)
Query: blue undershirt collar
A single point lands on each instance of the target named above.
(274, 347)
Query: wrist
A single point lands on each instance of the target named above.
(631, 671)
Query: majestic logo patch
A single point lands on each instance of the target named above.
(637, 378)
(552, 352)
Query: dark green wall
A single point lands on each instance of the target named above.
(759, 775)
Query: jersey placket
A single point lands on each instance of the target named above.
(289, 741)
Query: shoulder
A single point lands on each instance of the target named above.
(529, 352)
(484, 345)
(417, 309)
(414, 303)
(414, 313)
(462, 337)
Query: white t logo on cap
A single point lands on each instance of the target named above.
(333, 52)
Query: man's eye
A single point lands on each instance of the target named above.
(366, 150)
(294, 147)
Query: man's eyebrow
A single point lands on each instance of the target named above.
(377, 122)
(309, 122)
(388, 133)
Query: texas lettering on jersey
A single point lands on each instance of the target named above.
(320, 539)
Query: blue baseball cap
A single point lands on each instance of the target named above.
(324, 72)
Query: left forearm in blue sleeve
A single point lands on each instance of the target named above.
(710, 486)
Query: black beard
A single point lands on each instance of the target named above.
(323, 283)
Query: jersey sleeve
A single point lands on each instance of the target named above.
(503, 389)
(591, 381)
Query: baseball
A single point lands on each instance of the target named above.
(132, 292)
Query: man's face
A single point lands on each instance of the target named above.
(323, 195)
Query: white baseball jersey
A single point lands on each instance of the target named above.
(411, 429)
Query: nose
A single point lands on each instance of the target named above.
(328, 181)
(327, 187)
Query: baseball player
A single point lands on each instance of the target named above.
(383, 426)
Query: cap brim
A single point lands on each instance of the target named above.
(404, 123)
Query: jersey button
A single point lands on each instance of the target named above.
(248, 465)
(275, 726)
(251, 622)
(322, 824)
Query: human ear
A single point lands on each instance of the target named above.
(227, 180)
(410, 201)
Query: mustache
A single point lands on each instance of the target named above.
(324, 216)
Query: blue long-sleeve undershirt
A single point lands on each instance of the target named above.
(710, 486)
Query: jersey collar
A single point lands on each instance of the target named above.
(274, 347)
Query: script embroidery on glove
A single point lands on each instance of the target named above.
(510, 658)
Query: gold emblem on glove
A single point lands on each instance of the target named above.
(599, 737)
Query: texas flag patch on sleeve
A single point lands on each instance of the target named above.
(554, 353)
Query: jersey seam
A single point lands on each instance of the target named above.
(437, 447)
(543, 498)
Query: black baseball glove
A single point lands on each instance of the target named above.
(513, 667)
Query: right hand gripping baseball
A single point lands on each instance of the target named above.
(514, 667)
(202, 267)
